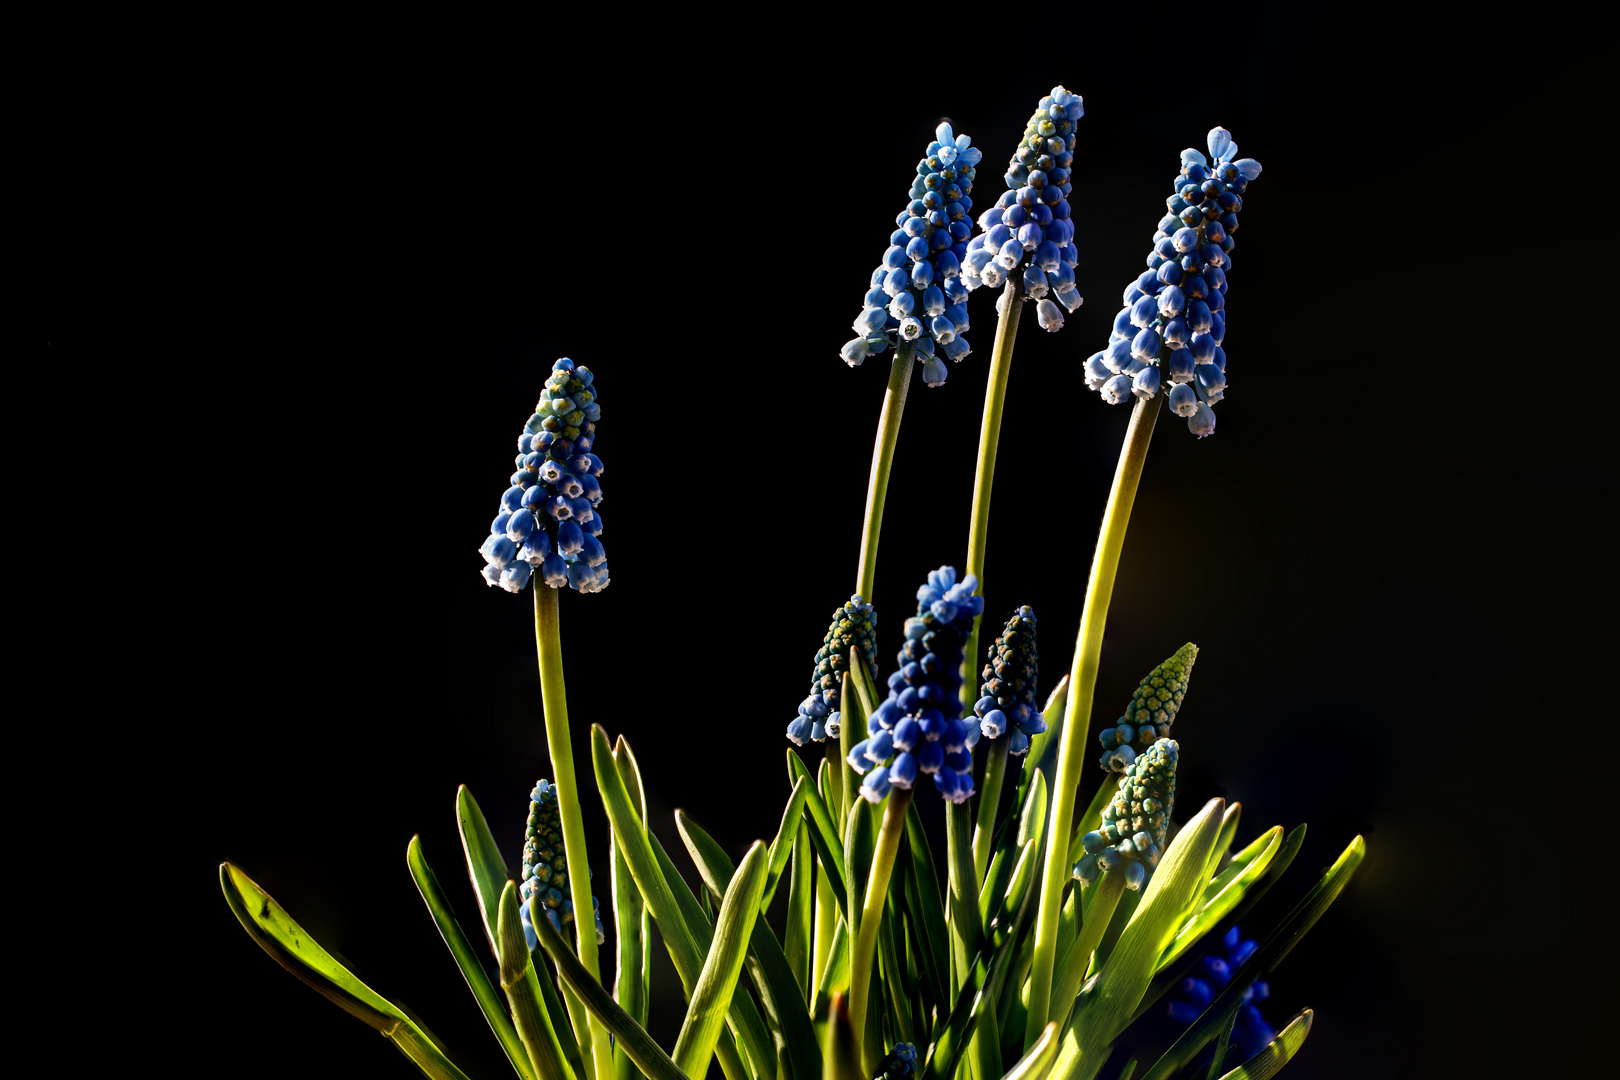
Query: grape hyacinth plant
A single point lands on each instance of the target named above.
(1061, 916)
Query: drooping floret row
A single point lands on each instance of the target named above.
(545, 867)
(916, 729)
(547, 518)
(916, 294)
(1173, 321)
(1029, 226)
(1011, 684)
(853, 626)
(1151, 711)
(1136, 821)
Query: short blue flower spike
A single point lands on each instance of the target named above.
(916, 729)
(547, 526)
(1250, 1033)
(1174, 318)
(916, 293)
(545, 869)
(1136, 822)
(853, 626)
(1011, 676)
(1027, 236)
(898, 1064)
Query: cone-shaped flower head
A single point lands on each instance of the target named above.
(547, 525)
(1250, 1033)
(1136, 821)
(853, 626)
(1007, 701)
(898, 1064)
(917, 728)
(1174, 318)
(1151, 711)
(916, 293)
(1027, 236)
(545, 870)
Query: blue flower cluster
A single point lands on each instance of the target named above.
(1250, 1033)
(545, 868)
(548, 517)
(1011, 683)
(916, 729)
(1152, 709)
(1136, 822)
(1029, 226)
(1172, 324)
(898, 1064)
(916, 294)
(854, 626)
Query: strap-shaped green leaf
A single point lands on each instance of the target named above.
(711, 999)
(930, 902)
(768, 968)
(824, 833)
(485, 866)
(782, 846)
(796, 941)
(1265, 960)
(290, 945)
(1037, 1060)
(835, 979)
(427, 883)
(1223, 840)
(522, 985)
(628, 1034)
(1221, 904)
(1276, 1053)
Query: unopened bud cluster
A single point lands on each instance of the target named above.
(1136, 821)
(545, 867)
(854, 626)
(1151, 711)
(1011, 684)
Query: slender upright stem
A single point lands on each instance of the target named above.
(871, 917)
(1082, 685)
(877, 487)
(984, 476)
(548, 643)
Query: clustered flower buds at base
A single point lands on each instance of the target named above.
(1250, 1032)
(1151, 711)
(1136, 821)
(916, 293)
(1011, 684)
(545, 869)
(916, 729)
(1028, 232)
(853, 626)
(898, 1064)
(547, 520)
(1172, 325)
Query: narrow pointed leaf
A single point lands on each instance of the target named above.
(472, 969)
(1276, 1053)
(627, 1033)
(930, 909)
(1037, 1060)
(835, 980)
(862, 682)
(274, 931)
(823, 832)
(541, 1037)
(768, 968)
(1222, 903)
(1223, 841)
(782, 846)
(711, 999)
(485, 866)
(796, 943)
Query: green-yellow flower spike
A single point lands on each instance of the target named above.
(1136, 821)
(1151, 712)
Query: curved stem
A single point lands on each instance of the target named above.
(984, 476)
(1082, 686)
(871, 917)
(877, 487)
(548, 644)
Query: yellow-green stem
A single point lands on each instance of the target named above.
(877, 487)
(548, 644)
(871, 917)
(1082, 685)
(984, 477)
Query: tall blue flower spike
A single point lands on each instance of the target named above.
(1173, 322)
(916, 293)
(1152, 709)
(1028, 232)
(1136, 821)
(547, 526)
(1011, 684)
(1250, 1032)
(545, 869)
(916, 729)
(853, 626)
(898, 1064)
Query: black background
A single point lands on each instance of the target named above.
(344, 258)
